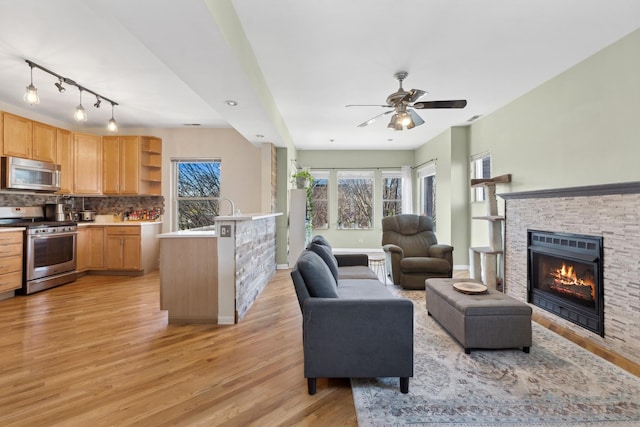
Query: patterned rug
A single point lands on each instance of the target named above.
(557, 384)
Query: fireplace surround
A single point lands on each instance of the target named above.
(610, 211)
(564, 277)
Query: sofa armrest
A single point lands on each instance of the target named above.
(442, 251)
(350, 260)
(358, 338)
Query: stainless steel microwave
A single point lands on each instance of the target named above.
(25, 174)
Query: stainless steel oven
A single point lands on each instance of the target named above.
(49, 256)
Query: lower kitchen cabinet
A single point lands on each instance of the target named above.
(122, 248)
(90, 248)
(10, 261)
(126, 249)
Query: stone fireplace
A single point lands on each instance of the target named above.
(564, 277)
(607, 213)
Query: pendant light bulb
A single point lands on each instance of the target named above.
(112, 126)
(31, 95)
(80, 115)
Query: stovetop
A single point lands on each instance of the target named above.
(34, 223)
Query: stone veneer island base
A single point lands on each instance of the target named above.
(214, 274)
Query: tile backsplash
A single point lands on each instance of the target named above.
(101, 205)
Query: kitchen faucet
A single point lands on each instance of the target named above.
(233, 209)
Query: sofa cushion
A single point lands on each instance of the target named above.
(363, 289)
(423, 264)
(355, 272)
(317, 276)
(327, 256)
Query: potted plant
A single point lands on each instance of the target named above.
(304, 180)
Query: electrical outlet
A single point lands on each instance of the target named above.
(225, 231)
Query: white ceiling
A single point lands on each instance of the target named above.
(293, 65)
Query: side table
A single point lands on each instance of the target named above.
(377, 264)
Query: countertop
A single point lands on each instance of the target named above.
(109, 220)
(246, 217)
(198, 233)
(9, 229)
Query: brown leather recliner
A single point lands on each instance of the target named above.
(413, 251)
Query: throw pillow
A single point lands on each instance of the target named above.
(327, 256)
(317, 276)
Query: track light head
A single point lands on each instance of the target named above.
(31, 95)
(98, 101)
(112, 126)
(61, 88)
(80, 115)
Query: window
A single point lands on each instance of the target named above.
(391, 193)
(320, 194)
(196, 192)
(480, 169)
(427, 179)
(355, 199)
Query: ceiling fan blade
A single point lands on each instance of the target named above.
(368, 105)
(373, 119)
(414, 95)
(417, 120)
(458, 103)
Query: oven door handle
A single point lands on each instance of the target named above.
(48, 236)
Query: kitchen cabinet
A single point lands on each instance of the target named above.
(10, 261)
(132, 165)
(87, 158)
(151, 166)
(122, 248)
(90, 248)
(28, 139)
(64, 155)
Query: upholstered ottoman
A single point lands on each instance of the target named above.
(490, 320)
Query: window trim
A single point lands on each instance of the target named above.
(323, 174)
(356, 174)
(174, 162)
(394, 173)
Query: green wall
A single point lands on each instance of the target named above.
(354, 160)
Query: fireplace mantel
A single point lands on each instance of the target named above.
(590, 190)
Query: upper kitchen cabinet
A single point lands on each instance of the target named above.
(87, 158)
(151, 166)
(64, 148)
(132, 165)
(28, 139)
(121, 160)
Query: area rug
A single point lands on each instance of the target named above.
(557, 384)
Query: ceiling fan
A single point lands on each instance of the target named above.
(403, 104)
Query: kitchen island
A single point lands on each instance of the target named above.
(213, 274)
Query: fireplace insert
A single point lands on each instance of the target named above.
(565, 277)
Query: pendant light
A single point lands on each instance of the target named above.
(31, 95)
(80, 115)
(112, 126)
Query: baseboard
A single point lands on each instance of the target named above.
(282, 266)
(460, 267)
(226, 320)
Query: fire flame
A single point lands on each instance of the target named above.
(566, 277)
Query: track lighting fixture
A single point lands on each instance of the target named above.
(80, 115)
(31, 95)
(112, 126)
(61, 88)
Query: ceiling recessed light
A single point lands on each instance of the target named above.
(191, 124)
(231, 102)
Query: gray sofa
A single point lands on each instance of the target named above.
(352, 326)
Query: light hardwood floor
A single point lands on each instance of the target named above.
(100, 352)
